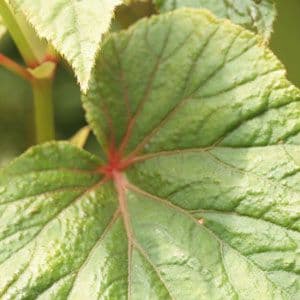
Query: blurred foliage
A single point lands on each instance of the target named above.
(16, 127)
(126, 15)
(16, 111)
(286, 37)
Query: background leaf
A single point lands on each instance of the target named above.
(203, 198)
(257, 16)
(74, 28)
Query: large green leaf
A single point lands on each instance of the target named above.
(74, 28)
(255, 15)
(199, 197)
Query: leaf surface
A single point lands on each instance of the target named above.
(199, 196)
(257, 16)
(74, 28)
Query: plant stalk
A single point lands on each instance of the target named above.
(39, 73)
(10, 20)
(14, 67)
(43, 106)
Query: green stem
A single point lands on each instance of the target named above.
(24, 46)
(43, 105)
(40, 72)
(12, 66)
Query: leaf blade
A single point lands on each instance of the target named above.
(227, 89)
(249, 202)
(179, 246)
(63, 207)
